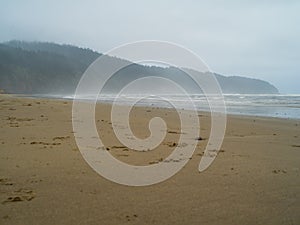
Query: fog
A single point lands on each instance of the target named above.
(257, 39)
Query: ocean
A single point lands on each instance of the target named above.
(280, 106)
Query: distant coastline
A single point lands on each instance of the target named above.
(49, 68)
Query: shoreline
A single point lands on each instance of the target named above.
(245, 115)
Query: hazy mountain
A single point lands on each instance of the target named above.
(48, 68)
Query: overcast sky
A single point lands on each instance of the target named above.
(259, 39)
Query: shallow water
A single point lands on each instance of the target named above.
(280, 106)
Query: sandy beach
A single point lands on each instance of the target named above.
(44, 179)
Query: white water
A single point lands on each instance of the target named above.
(281, 106)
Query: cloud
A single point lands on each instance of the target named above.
(254, 38)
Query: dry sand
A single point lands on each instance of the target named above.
(44, 179)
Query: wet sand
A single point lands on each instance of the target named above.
(45, 180)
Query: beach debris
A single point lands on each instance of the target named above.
(157, 161)
(199, 138)
(43, 143)
(28, 104)
(172, 144)
(173, 132)
(60, 138)
(118, 146)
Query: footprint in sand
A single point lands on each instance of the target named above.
(129, 218)
(278, 171)
(5, 181)
(19, 196)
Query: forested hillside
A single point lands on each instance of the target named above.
(48, 68)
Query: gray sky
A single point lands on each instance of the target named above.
(259, 39)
